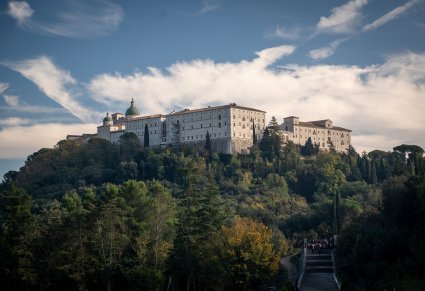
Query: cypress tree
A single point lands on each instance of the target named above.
(254, 136)
(208, 146)
(146, 137)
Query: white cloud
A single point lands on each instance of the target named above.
(21, 11)
(3, 87)
(343, 19)
(53, 82)
(393, 14)
(21, 141)
(327, 51)
(77, 19)
(208, 6)
(11, 100)
(386, 100)
(13, 121)
(285, 33)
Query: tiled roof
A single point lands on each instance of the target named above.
(315, 125)
(215, 108)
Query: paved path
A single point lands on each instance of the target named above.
(291, 268)
(318, 282)
(319, 273)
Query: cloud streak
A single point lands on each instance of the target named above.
(285, 33)
(3, 87)
(78, 20)
(54, 83)
(343, 19)
(327, 51)
(11, 100)
(208, 6)
(393, 14)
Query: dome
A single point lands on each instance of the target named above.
(132, 110)
(107, 120)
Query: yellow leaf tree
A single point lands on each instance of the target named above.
(248, 252)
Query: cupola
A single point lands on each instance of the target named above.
(107, 120)
(132, 111)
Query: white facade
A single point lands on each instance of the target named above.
(321, 132)
(230, 127)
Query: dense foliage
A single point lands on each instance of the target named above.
(98, 215)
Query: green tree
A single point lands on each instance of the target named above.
(208, 146)
(146, 136)
(17, 234)
(254, 136)
(308, 149)
(271, 143)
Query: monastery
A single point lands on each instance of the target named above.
(230, 128)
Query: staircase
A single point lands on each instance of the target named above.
(318, 272)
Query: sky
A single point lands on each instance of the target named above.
(64, 64)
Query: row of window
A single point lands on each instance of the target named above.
(246, 118)
(198, 137)
(314, 131)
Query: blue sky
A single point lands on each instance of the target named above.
(64, 64)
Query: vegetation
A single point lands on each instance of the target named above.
(97, 215)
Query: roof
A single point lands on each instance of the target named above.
(132, 110)
(148, 117)
(315, 125)
(215, 108)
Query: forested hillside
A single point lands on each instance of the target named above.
(96, 216)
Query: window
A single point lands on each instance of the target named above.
(219, 117)
(219, 124)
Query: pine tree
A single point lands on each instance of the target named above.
(308, 149)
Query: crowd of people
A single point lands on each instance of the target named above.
(317, 246)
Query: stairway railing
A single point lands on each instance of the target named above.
(301, 265)
(334, 275)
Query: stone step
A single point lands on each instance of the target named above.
(318, 257)
(319, 269)
(319, 263)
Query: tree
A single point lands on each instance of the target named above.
(200, 215)
(254, 136)
(208, 146)
(146, 136)
(247, 251)
(129, 145)
(17, 234)
(308, 149)
(271, 143)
